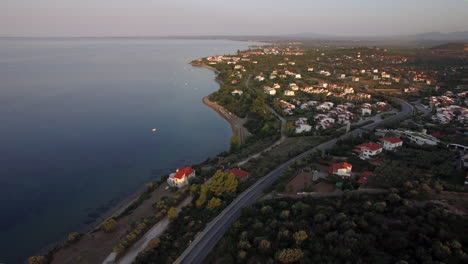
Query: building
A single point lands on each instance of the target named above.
(269, 90)
(364, 176)
(420, 138)
(289, 93)
(181, 177)
(302, 126)
(342, 169)
(391, 143)
(368, 150)
(237, 92)
(240, 174)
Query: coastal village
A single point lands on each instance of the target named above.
(361, 119)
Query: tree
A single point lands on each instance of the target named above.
(235, 143)
(172, 214)
(289, 255)
(264, 244)
(300, 236)
(109, 225)
(152, 244)
(73, 237)
(203, 195)
(258, 105)
(222, 183)
(37, 260)
(213, 203)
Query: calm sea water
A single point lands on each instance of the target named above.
(75, 128)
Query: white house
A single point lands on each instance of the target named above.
(391, 143)
(368, 150)
(420, 138)
(342, 169)
(366, 111)
(259, 78)
(293, 86)
(237, 92)
(269, 90)
(181, 177)
(289, 93)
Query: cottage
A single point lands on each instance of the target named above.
(391, 143)
(240, 174)
(289, 93)
(237, 92)
(181, 177)
(368, 150)
(269, 90)
(342, 169)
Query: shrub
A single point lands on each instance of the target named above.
(109, 225)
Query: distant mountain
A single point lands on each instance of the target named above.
(452, 46)
(438, 36)
(429, 36)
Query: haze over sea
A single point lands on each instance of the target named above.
(75, 128)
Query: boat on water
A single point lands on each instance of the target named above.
(154, 129)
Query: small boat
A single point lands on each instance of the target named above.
(154, 129)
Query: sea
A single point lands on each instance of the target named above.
(76, 120)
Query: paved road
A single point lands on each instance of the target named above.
(197, 251)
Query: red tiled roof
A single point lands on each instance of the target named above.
(183, 172)
(364, 176)
(437, 135)
(341, 165)
(392, 140)
(241, 174)
(370, 146)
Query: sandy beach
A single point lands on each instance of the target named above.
(237, 123)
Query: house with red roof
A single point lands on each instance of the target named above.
(181, 177)
(240, 174)
(368, 150)
(342, 169)
(391, 143)
(364, 176)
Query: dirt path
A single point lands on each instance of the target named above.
(237, 123)
(94, 247)
(278, 142)
(141, 244)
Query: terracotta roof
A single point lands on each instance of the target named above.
(341, 165)
(183, 172)
(392, 140)
(370, 146)
(364, 176)
(241, 174)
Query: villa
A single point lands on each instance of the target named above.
(391, 143)
(342, 169)
(181, 177)
(240, 174)
(368, 150)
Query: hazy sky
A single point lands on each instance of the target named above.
(233, 17)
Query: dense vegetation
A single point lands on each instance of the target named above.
(354, 228)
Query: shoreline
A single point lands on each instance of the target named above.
(237, 128)
(236, 123)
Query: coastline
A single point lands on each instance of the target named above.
(236, 123)
(237, 128)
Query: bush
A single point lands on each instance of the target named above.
(109, 225)
(73, 237)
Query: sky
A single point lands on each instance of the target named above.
(73, 18)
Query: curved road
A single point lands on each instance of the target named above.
(204, 242)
